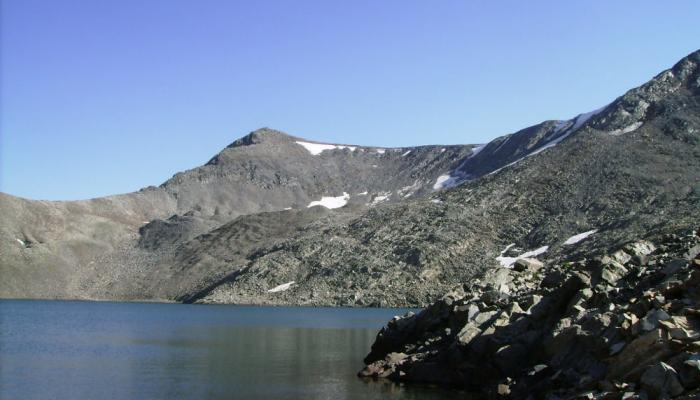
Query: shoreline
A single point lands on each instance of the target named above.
(165, 301)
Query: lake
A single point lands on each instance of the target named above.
(110, 350)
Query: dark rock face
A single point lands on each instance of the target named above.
(414, 222)
(588, 336)
(159, 233)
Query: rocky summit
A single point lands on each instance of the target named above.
(278, 219)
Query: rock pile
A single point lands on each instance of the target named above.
(622, 326)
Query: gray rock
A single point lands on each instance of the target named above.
(661, 381)
(651, 320)
(689, 372)
(527, 264)
(576, 341)
(612, 271)
(639, 248)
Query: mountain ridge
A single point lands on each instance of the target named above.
(400, 239)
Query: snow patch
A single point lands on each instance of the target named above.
(562, 126)
(443, 181)
(406, 153)
(477, 149)
(536, 252)
(331, 202)
(281, 288)
(442, 150)
(626, 129)
(362, 194)
(381, 151)
(408, 191)
(508, 262)
(318, 148)
(20, 241)
(287, 208)
(583, 118)
(380, 197)
(507, 248)
(456, 177)
(577, 238)
(436, 201)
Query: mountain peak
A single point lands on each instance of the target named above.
(262, 135)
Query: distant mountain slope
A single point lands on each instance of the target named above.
(47, 248)
(239, 226)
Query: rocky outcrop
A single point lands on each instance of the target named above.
(625, 325)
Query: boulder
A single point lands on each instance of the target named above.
(651, 320)
(643, 351)
(621, 257)
(673, 266)
(612, 271)
(689, 372)
(679, 327)
(468, 333)
(639, 248)
(661, 381)
(527, 264)
(618, 327)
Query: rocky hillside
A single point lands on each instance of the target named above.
(590, 177)
(52, 249)
(392, 227)
(625, 325)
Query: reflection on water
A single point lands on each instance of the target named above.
(83, 350)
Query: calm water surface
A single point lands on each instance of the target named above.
(85, 350)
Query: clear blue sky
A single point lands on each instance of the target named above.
(103, 97)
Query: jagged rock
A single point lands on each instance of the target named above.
(679, 327)
(503, 389)
(644, 350)
(689, 372)
(531, 301)
(494, 296)
(639, 248)
(514, 309)
(651, 320)
(634, 337)
(661, 381)
(612, 271)
(468, 333)
(692, 253)
(674, 266)
(621, 257)
(527, 264)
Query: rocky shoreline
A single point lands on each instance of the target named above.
(625, 325)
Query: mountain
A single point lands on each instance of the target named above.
(610, 309)
(395, 227)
